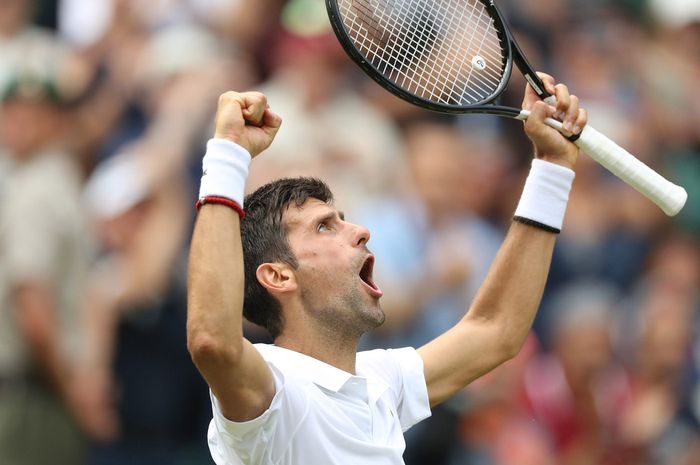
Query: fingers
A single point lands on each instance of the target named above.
(538, 112)
(253, 107)
(561, 93)
(246, 106)
(531, 96)
(246, 119)
(567, 108)
(548, 81)
(548, 143)
(271, 122)
(581, 121)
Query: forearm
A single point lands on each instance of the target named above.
(215, 283)
(99, 320)
(511, 293)
(146, 268)
(497, 323)
(38, 324)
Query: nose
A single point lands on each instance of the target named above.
(361, 235)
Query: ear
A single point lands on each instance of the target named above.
(277, 278)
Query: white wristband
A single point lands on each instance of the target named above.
(545, 195)
(224, 170)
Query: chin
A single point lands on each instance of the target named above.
(377, 317)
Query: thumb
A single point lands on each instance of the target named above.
(271, 122)
(535, 125)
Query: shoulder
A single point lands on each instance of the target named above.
(376, 357)
(274, 354)
(401, 370)
(293, 367)
(394, 366)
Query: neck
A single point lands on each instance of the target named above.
(336, 350)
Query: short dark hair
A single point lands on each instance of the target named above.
(264, 239)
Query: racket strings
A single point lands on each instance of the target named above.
(428, 48)
(419, 37)
(418, 87)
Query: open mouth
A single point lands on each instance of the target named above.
(366, 276)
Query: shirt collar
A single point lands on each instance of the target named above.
(320, 373)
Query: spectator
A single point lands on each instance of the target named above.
(44, 256)
(137, 301)
(577, 392)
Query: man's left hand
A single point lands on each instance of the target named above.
(550, 144)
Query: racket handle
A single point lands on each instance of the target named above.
(668, 196)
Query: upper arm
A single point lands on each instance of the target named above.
(499, 320)
(242, 382)
(454, 359)
(237, 374)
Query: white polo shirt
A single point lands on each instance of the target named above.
(321, 415)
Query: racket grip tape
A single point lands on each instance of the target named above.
(668, 196)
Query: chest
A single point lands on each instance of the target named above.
(353, 413)
(344, 428)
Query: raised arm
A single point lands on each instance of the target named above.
(237, 375)
(497, 323)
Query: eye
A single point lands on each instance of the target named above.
(323, 227)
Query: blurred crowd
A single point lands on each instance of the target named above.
(105, 108)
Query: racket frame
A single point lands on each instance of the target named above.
(513, 54)
(668, 196)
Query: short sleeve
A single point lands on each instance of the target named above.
(402, 370)
(414, 404)
(262, 439)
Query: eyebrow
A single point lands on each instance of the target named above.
(329, 216)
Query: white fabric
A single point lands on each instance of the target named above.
(116, 185)
(224, 170)
(323, 415)
(84, 23)
(675, 13)
(546, 193)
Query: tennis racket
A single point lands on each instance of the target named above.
(456, 56)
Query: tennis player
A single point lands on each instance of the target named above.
(292, 264)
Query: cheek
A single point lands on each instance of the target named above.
(324, 270)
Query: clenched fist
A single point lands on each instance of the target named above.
(246, 119)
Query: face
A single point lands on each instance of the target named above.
(334, 274)
(27, 125)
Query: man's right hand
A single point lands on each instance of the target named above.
(245, 118)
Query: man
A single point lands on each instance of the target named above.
(136, 314)
(311, 398)
(44, 256)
